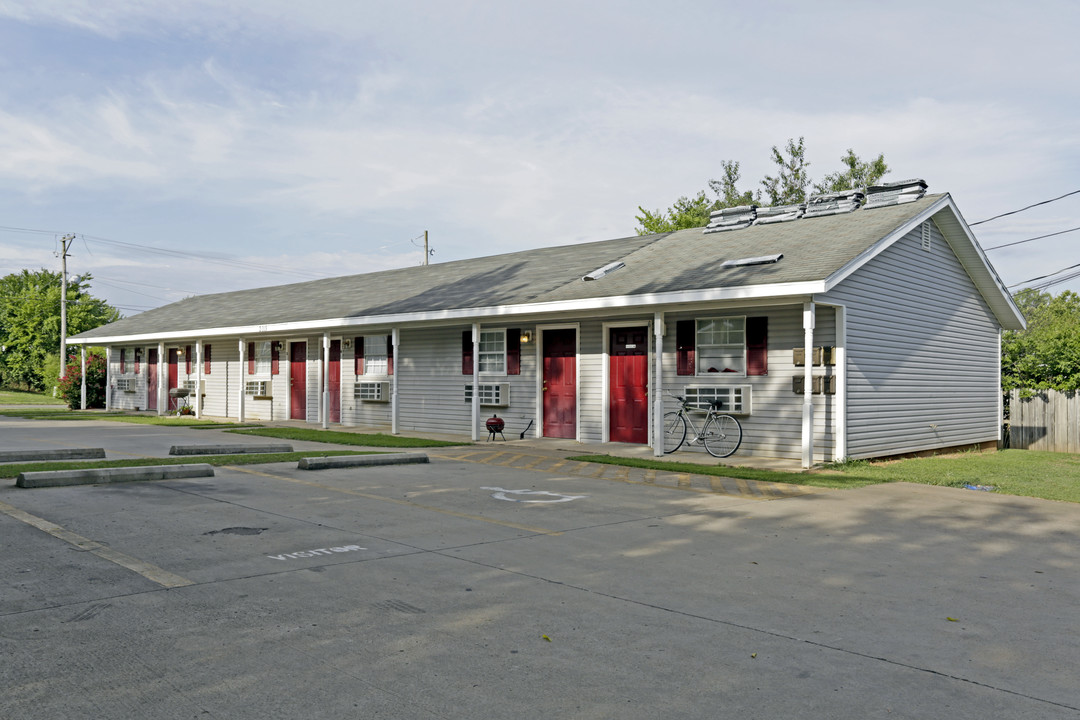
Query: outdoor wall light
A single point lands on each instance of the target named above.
(526, 336)
(346, 343)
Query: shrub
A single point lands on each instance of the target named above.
(71, 384)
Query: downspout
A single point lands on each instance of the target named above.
(809, 317)
(658, 385)
(395, 338)
(476, 381)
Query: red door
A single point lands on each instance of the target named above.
(151, 379)
(628, 404)
(560, 383)
(298, 381)
(173, 379)
(334, 380)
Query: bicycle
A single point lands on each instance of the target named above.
(721, 434)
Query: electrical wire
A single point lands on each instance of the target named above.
(1053, 282)
(1018, 242)
(1013, 212)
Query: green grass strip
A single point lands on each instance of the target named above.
(20, 397)
(347, 438)
(117, 416)
(834, 481)
(12, 470)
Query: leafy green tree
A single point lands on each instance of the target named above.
(70, 386)
(30, 322)
(789, 185)
(685, 213)
(858, 174)
(1047, 354)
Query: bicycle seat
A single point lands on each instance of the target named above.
(717, 404)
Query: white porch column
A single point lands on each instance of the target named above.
(198, 379)
(108, 377)
(395, 339)
(162, 380)
(658, 385)
(475, 381)
(840, 432)
(324, 369)
(243, 374)
(809, 317)
(82, 389)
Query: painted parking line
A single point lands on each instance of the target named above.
(396, 501)
(147, 570)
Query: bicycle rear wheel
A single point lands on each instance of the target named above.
(674, 432)
(722, 435)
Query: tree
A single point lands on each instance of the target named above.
(70, 386)
(788, 186)
(1047, 354)
(858, 174)
(30, 322)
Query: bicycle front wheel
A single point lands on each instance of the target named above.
(674, 432)
(722, 435)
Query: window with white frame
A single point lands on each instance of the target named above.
(263, 355)
(375, 354)
(721, 346)
(733, 399)
(493, 352)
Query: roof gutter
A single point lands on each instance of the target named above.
(649, 300)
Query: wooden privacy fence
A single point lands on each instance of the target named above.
(1048, 420)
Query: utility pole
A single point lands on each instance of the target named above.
(65, 243)
(426, 253)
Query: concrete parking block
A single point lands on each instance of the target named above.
(341, 461)
(95, 476)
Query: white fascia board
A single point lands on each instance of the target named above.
(650, 300)
(969, 252)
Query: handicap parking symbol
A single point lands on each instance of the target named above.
(504, 494)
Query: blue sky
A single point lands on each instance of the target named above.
(204, 146)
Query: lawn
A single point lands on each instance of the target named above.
(346, 438)
(20, 397)
(115, 416)
(1047, 475)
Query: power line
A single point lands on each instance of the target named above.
(1013, 212)
(1051, 283)
(1018, 242)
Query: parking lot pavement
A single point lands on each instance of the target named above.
(465, 590)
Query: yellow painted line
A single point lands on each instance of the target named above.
(557, 465)
(512, 459)
(395, 501)
(147, 570)
(537, 459)
(744, 486)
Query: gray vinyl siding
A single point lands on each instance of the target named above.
(357, 412)
(221, 399)
(773, 428)
(922, 352)
(590, 369)
(431, 386)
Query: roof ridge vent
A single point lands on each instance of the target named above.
(779, 213)
(834, 203)
(605, 270)
(731, 218)
(895, 193)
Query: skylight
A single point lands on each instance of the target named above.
(762, 260)
(601, 272)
